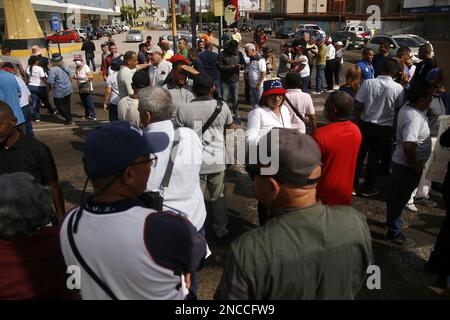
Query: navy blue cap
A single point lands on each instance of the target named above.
(111, 148)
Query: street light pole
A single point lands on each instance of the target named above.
(194, 24)
(174, 23)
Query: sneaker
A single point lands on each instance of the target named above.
(330, 90)
(336, 87)
(370, 193)
(317, 92)
(411, 207)
(402, 241)
(54, 112)
(37, 120)
(237, 120)
(426, 202)
(68, 123)
(353, 192)
(93, 118)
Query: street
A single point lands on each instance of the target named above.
(401, 270)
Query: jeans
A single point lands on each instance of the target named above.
(230, 91)
(255, 95)
(91, 60)
(311, 68)
(320, 68)
(440, 256)
(247, 88)
(374, 139)
(404, 181)
(63, 105)
(337, 71)
(214, 182)
(194, 275)
(424, 187)
(39, 94)
(306, 82)
(113, 116)
(89, 109)
(217, 92)
(28, 123)
(329, 73)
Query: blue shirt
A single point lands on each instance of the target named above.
(9, 93)
(59, 78)
(210, 60)
(367, 71)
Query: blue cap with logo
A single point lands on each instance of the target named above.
(111, 148)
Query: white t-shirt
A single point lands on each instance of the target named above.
(305, 72)
(412, 127)
(262, 119)
(127, 110)
(35, 76)
(111, 82)
(301, 101)
(331, 52)
(82, 74)
(24, 101)
(255, 68)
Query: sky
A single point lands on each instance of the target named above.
(162, 3)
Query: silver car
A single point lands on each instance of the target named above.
(135, 36)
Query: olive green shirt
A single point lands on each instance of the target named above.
(321, 57)
(319, 252)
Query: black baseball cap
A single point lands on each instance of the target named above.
(298, 156)
(141, 79)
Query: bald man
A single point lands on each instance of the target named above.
(21, 153)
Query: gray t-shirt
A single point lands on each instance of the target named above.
(437, 109)
(412, 127)
(194, 115)
(180, 96)
(284, 67)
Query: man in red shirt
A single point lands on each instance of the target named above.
(339, 142)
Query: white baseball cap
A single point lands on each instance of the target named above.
(339, 43)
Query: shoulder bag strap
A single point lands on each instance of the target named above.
(83, 263)
(294, 109)
(213, 116)
(166, 180)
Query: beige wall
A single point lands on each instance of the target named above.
(289, 6)
(317, 6)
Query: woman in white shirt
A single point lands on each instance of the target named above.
(38, 87)
(111, 98)
(84, 77)
(271, 113)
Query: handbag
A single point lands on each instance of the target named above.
(84, 87)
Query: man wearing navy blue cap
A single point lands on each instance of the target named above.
(132, 249)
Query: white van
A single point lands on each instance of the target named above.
(310, 27)
(358, 30)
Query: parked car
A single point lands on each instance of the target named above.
(355, 42)
(311, 27)
(246, 28)
(313, 33)
(66, 36)
(284, 32)
(411, 41)
(134, 36)
(267, 28)
(82, 33)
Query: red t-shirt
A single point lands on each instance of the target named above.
(339, 143)
(33, 267)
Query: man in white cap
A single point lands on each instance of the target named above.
(160, 69)
(338, 61)
(329, 68)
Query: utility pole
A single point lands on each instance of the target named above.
(200, 22)
(194, 24)
(174, 23)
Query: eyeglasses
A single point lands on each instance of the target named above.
(154, 161)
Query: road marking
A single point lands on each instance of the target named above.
(56, 127)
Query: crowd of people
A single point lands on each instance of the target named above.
(158, 168)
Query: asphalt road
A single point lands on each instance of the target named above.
(402, 276)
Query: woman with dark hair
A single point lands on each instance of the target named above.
(111, 97)
(37, 85)
(31, 264)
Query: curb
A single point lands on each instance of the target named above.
(66, 49)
